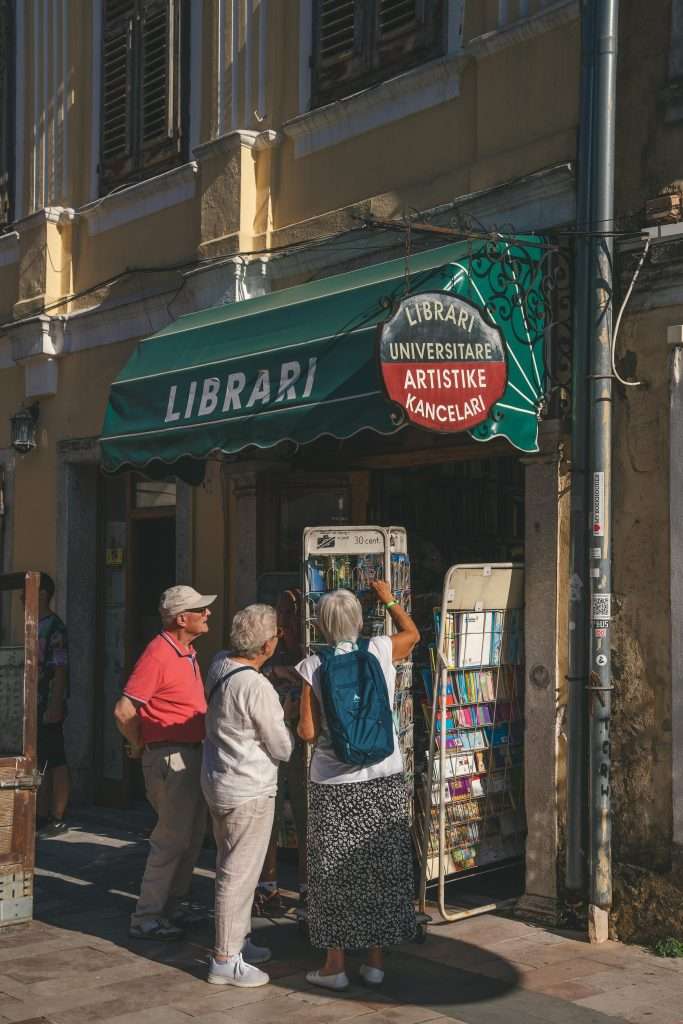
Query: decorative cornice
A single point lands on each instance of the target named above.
(46, 215)
(40, 337)
(240, 137)
(409, 93)
(560, 13)
(141, 200)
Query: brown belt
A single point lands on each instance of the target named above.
(170, 743)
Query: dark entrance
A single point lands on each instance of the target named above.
(138, 562)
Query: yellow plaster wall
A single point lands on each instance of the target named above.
(516, 113)
(210, 556)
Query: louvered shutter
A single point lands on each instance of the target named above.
(339, 50)
(117, 90)
(158, 78)
(408, 32)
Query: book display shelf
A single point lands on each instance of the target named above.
(350, 558)
(470, 809)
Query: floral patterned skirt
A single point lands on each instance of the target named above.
(360, 864)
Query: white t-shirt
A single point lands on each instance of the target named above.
(325, 767)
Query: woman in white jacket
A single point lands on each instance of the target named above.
(246, 738)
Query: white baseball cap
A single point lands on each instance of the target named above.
(184, 599)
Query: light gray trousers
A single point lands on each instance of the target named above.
(172, 783)
(242, 835)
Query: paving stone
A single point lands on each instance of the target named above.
(570, 970)
(154, 1015)
(573, 990)
(212, 998)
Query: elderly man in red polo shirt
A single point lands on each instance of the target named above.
(161, 714)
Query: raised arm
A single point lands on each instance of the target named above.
(309, 715)
(407, 635)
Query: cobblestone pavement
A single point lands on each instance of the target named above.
(76, 965)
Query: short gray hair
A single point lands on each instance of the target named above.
(168, 619)
(251, 629)
(340, 616)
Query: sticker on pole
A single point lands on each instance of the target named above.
(598, 505)
(601, 607)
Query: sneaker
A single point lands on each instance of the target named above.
(236, 972)
(337, 982)
(187, 913)
(254, 954)
(156, 931)
(55, 827)
(371, 975)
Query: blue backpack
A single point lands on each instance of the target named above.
(356, 705)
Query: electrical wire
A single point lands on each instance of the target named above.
(615, 332)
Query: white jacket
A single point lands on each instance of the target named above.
(246, 736)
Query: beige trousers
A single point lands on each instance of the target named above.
(172, 784)
(242, 835)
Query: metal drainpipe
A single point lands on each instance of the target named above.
(599, 518)
(575, 868)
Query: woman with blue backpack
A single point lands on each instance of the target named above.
(360, 862)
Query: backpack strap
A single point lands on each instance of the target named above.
(325, 654)
(225, 678)
(363, 644)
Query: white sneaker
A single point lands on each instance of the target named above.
(254, 954)
(371, 975)
(337, 982)
(236, 972)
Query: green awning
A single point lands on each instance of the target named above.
(301, 363)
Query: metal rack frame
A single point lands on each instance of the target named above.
(476, 588)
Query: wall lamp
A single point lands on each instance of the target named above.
(24, 428)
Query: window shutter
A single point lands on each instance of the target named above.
(157, 72)
(338, 51)
(408, 32)
(117, 88)
(396, 17)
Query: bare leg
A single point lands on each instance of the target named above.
(376, 957)
(335, 962)
(60, 791)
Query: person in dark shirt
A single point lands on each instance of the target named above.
(53, 691)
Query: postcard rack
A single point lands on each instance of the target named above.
(470, 814)
(350, 557)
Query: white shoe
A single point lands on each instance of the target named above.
(371, 975)
(254, 954)
(337, 982)
(236, 972)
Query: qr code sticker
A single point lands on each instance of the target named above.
(602, 606)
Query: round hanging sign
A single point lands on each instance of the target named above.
(442, 362)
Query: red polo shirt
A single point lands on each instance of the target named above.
(167, 684)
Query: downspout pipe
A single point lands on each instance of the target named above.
(600, 510)
(577, 678)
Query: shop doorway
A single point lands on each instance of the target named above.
(454, 512)
(137, 562)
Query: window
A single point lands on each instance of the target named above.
(6, 108)
(357, 43)
(143, 58)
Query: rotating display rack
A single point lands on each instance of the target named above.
(350, 558)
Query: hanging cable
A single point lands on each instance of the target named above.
(615, 333)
